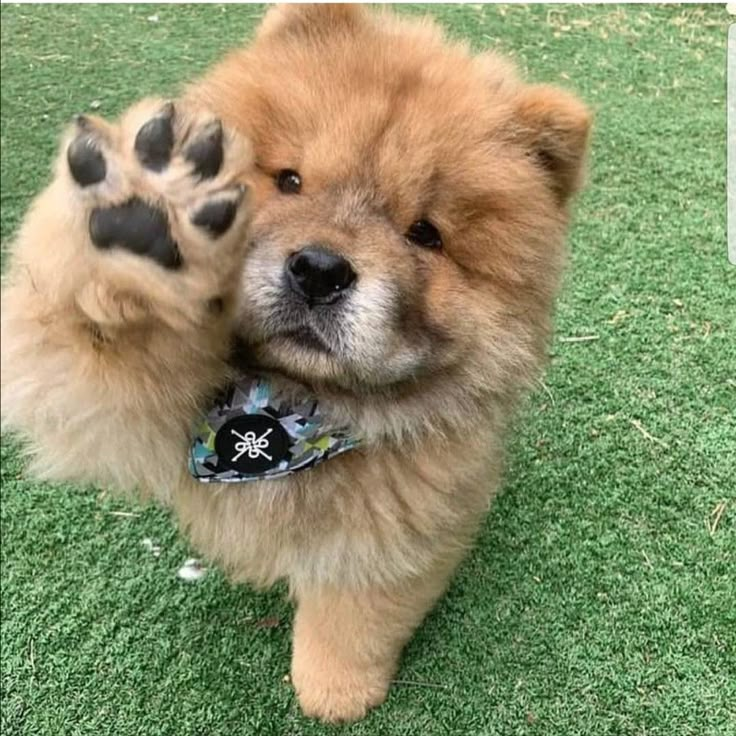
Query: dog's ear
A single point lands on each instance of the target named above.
(310, 19)
(555, 126)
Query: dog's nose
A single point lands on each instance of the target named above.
(319, 274)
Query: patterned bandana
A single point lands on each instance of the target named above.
(253, 433)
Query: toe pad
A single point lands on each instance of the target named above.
(86, 162)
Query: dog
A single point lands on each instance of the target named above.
(364, 213)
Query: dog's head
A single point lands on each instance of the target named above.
(410, 201)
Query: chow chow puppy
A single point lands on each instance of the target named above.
(359, 210)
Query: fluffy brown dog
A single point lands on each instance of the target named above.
(397, 255)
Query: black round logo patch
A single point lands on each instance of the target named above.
(252, 443)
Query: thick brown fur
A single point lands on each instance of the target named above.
(107, 358)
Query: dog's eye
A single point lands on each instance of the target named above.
(288, 181)
(424, 233)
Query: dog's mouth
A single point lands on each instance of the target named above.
(305, 337)
(246, 354)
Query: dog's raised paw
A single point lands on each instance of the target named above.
(181, 197)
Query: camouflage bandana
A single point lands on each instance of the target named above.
(253, 433)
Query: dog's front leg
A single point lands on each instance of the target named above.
(347, 643)
(118, 302)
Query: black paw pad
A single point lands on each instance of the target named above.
(205, 153)
(155, 140)
(216, 217)
(137, 227)
(86, 162)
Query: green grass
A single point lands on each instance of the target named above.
(598, 601)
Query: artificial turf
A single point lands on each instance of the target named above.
(601, 598)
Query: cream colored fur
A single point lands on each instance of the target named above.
(107, 359)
